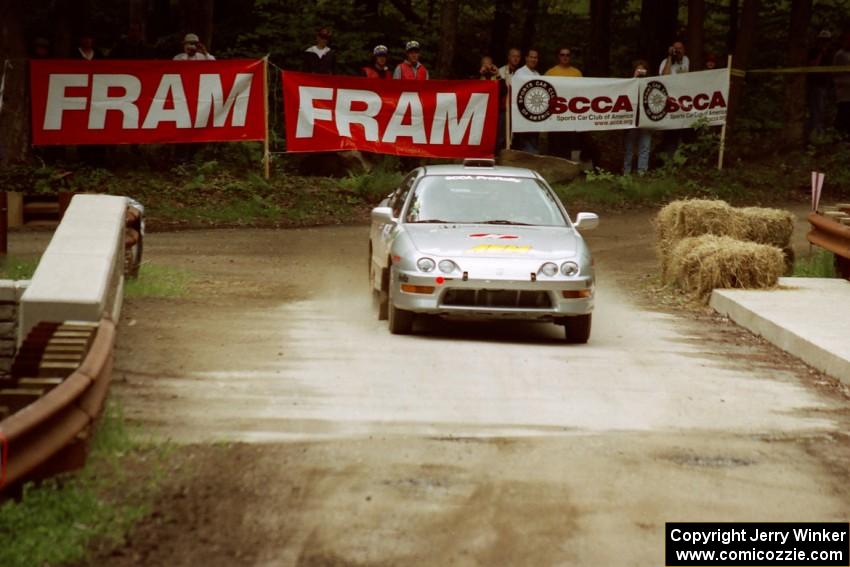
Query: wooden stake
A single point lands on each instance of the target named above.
(723, 129)
(266, 153)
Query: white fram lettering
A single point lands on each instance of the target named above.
(58, 103)
(307, 113)
(346, 116)
(210, 95)
(472, 119)
(102, 102)
(169, 86)
(415, 129)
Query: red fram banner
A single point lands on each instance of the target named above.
(146, 102)
(448, 119)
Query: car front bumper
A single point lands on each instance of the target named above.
(542, 299)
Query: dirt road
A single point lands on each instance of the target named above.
(465, 444)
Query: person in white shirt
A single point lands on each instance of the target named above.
(193, 50)
(676, 61)
(532, 58)
(528, 141)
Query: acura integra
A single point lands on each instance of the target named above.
(480, 241)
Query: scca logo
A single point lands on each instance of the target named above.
(538, 100)
(657, 103)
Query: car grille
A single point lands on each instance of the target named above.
(500, 298)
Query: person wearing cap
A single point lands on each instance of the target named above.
(411, 69)
(193, 50)
(818, 84)
(320, 58)
(378, 69)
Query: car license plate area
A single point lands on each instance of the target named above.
(498, 298)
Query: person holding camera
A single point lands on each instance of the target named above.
(640, 136)
(488, 70)
(676, 61)
(193, 50)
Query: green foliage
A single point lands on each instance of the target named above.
(55, 521)
(820, 264)
(158, 281)
(372, 187)
(14, 268)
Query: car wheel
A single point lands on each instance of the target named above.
(577, 329)
(401, 321)
(382, 296)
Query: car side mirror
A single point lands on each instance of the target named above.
(383, 214)
(587, 221)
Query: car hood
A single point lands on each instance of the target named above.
(493, 241)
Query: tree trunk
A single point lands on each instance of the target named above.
(795, 84)
(696, 34)
(196, 16)
(529, 25)
(501, 29)
(14, 116)
(732, 35)
(448, 37)
(139, 15)
(741, 59)
(658, 26)
(598, 60)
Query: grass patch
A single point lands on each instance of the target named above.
(158, 281)
(55, 522)
(820, 264)
(13, 268)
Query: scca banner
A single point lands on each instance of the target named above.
(572, 104)
(678, 101)
(450, 119)
(146, 102)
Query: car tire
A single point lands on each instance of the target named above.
(383, 305)
(400, 321)
(577, 329)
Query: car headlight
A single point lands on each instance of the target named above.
(426, 264)
(447, 266)
(549, 269)
(569, 268)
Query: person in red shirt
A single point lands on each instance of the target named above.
(411, 69)
(378, 69)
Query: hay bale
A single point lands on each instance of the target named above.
(765, 226)
(687, 218)
(702, 263)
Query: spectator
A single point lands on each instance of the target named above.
(506, 71)
(710, 62)
(842, 86)
(641, 136)
(411, 69)
(132, 46)
(378, 69)
(320, 58)
(562, 144)
(817, 84)
(532, 58)
(85, 48)
(193, 50)
(564, 67)
(487, 71)
(676, 61)
(528, 141)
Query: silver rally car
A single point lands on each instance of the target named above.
(480, 241)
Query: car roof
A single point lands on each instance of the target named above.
(460, 169)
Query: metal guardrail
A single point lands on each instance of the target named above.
(833, 236)
(50, 435)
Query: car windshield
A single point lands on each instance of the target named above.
(491, 199)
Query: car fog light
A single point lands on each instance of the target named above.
(447, 266)
(549, 269)
(569, 268)
(426, 264)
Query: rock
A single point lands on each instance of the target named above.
(553, 169)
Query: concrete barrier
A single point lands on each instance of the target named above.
(81, 274)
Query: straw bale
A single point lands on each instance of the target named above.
(702, 263)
